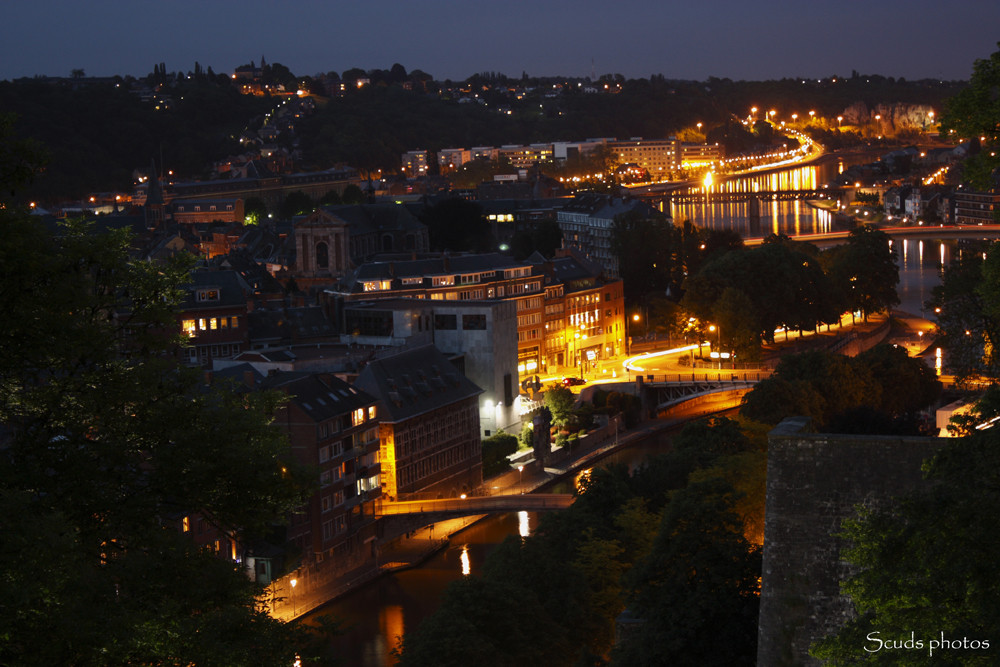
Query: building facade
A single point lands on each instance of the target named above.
(429, 426)
(332, 428)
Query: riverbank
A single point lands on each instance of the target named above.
(416, 547)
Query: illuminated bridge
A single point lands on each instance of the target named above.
(661, 392)
(683, 196)
(443, 508)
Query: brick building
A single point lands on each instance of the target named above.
(429, 424)
(332, 427)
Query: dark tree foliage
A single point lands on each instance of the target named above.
(648, 252)
(967, 310)
(696, 594)
(926, 566)
(865, 272)
(105, 445)
(97, 134)
(296, 203)
(777, 284)
(841, 393)
(496, 448)
(974, 115)
(458, 225)
(560, 609)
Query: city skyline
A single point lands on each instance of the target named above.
(636, 38)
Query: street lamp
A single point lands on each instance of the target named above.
(718, 331)
(293, 582)
(520, 469)
(840, 119)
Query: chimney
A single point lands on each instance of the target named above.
(248, 379)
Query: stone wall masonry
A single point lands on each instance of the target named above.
(814, 482)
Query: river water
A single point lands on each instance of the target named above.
(375, 616)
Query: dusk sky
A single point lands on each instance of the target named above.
(452, 39)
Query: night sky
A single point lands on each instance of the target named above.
(452, 39)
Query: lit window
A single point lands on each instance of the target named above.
(201, 324)
(234, 322)
(358, 416)
(371, 412)
(213, 324)
(188, 327)
(186, 523)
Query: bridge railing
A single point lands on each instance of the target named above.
(714, 377)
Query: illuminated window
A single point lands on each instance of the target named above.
(234, 322)
(201, 324)
(358, 416)
(188, 327)
(186, 523)
(371, 412)
(213, 324)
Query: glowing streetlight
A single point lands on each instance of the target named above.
(840, 119)
(293, 582)
(718, 331)
(520, 469)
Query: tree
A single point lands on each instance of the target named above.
(644, 244)
(106, 446)
(560, 401)
(974, 115)
(353, 195)
(866, 272)
(696, 593)
(457, 224)
(296, 203)
(967, 314)
(254, 211)
(925, 565)
(496, 448)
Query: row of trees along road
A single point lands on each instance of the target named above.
(749, 292)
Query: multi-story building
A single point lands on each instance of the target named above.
(333, 428)
(450, 159)
(429, 424)
(584, 314)
(587, 223)
(463, 278)
(976, 208)
(415, 163)
(697, 156)
(478, 336)
(522, 157)
(659, 157)
(191, 211)
(549, 298)
(213, 316)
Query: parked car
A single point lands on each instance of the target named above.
(571, 381)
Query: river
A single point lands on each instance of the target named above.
(374, 616)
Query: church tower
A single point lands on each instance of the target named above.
(154, 199)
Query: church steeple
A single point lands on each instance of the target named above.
(154, 199)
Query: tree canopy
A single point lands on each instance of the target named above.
(925, 566)
(106, 446)
(974, 115)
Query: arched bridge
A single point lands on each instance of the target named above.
(443, 508)
(663, 391)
